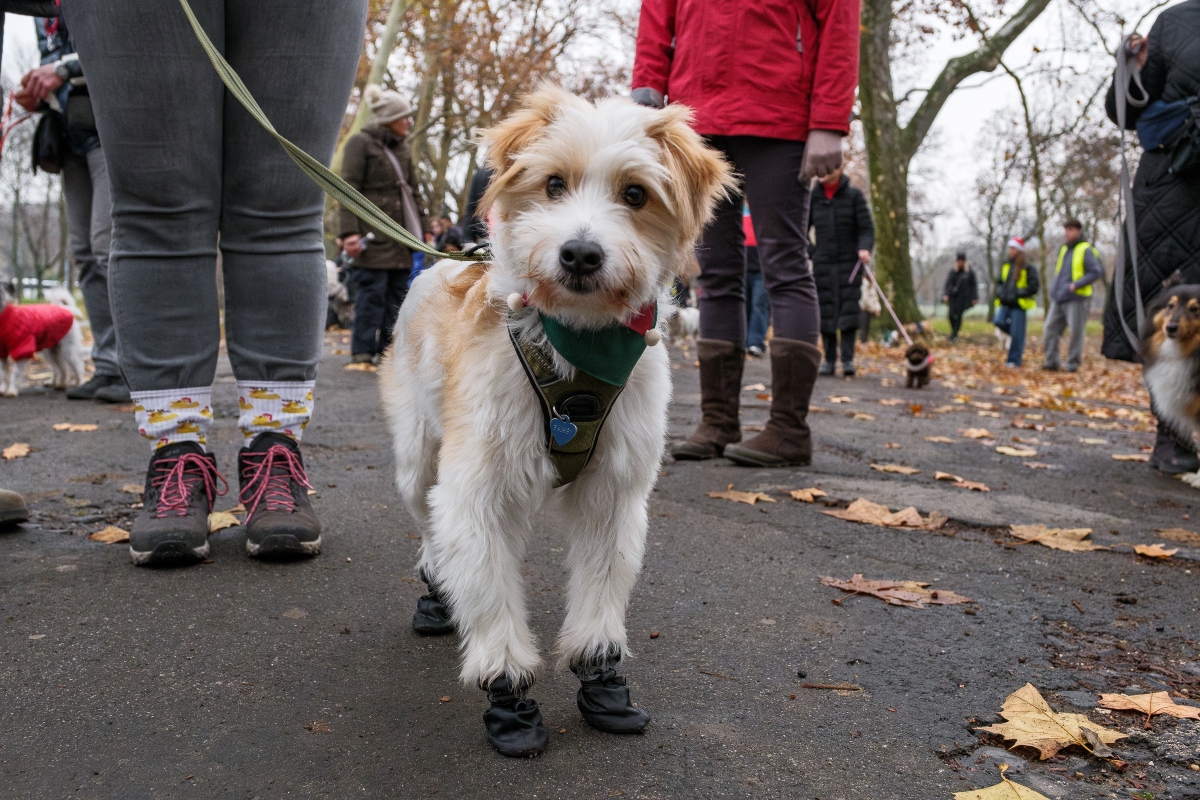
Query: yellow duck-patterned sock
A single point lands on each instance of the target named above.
(279, 406)
(174, 415)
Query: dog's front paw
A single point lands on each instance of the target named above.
(1192, 479)
(8, 393)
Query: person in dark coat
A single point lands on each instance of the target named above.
(842, 235)
(960, 292)
(377, 162)
(1166, 207)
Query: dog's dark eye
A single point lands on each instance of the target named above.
(556, 187)
(634, 196)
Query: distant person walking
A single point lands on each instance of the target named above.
(59, 88)
(758, 302)
(378, 163)
(1077, 267)
(842, 235)
(1015, 295)
(1166, 203)
(960, 293)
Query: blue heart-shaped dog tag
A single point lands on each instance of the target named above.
(563, 430)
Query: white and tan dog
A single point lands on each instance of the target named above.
(48, 329)
(596, 209)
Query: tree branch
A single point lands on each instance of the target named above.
(983, 59)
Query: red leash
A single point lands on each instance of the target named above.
(7, 123)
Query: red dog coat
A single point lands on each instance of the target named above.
(26, 329)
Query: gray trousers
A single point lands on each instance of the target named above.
(89, 231)
(1072, 314)
(187, 164)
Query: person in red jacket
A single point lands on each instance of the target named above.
(771, 84)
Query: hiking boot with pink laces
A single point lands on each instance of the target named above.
(280, 521)
(172, 528)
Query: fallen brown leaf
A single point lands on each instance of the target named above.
(364, 366)
(133, 488)
(910, 594)
(1035, 465)
(1005, 790)
(976, 433)
(1018, 452)
(807, 495)
(1149, 704)
(837, 398)
(754, 387)
(74, 428)
(319, 726)
(974, 486)
(110, 535)
(1086, 440)
(763, 396)
(749, 498)
(945, 476)
(1071, 540)
(940, 439)
(1130, 457)
(18, 450)
(1032, 723)
(891, 445)
(1154, 550)
(868, 513)
(219, 520)
(1181, 535)
(899, 469)
(891, 401)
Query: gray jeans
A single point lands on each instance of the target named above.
(188, 164)
(1072, 314)
(89, 229)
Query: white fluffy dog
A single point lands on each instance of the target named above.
(597, 209)
(48, 329)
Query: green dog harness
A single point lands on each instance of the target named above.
(575, 410)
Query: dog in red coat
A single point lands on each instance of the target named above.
(50, 330)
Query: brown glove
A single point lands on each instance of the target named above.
(822, 154)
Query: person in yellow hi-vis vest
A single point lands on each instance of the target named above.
(1077, 267)
(1015, 295)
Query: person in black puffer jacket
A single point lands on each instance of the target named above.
(842, 234)
(1166, 207)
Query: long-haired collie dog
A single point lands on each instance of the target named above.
(46, 329)
(1171, 362)
(527, 382)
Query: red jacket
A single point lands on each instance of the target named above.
(773, 68)
(26, 329)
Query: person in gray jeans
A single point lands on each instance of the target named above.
(190, 172)
(1075, 270)
(58, 86)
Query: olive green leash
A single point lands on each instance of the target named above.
(330, 183)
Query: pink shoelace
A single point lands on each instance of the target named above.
(176, 483)
(268, 485)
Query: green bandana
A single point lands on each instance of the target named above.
(608, 354)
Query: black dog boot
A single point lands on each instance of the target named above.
(1172, 454)
(433, 613)
(603, 698)
(514, 722)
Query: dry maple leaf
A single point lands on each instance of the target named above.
(892, 445)
(976, 433)
(940, 439)
(75, 428)
(1035, 465)
(899, 469)
(754, 387)
(361, 367)
(1085, 440)
(1018, 452)
(807, 495)
(1072, 540)
(110, 535)
(17, 450)
(1030, 722)
(1149, 704)
(837, 398)
(1154, 550)
(862, 415)
(1130, 457)
(1005, 790)
(219, 520)
(891, 401)
(868, 513)
(1181, 535)
(749, 498)
(974, 486)
(995, 414)
(946, 476)
(910, 594)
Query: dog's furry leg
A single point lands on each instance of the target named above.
(8, 378)
(1192, 479)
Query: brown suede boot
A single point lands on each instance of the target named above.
(786, 440)
(721, 365)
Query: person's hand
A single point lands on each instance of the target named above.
(822, 154)
(37, 85)
(1140, 45)
(353, 246)
(864, 256)
(945, 298)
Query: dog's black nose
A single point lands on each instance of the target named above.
(579, 257)
(1172, 328)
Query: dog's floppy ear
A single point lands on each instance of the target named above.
(699, 175)
(514, 134)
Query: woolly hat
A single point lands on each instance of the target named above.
(385, 105)
(1017, 244)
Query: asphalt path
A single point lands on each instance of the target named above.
(240, 679)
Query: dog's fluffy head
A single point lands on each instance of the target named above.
(916, 354)
(1179, 319)
(597, 207)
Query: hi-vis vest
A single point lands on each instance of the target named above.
(1022, 283)
(1076, 265)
